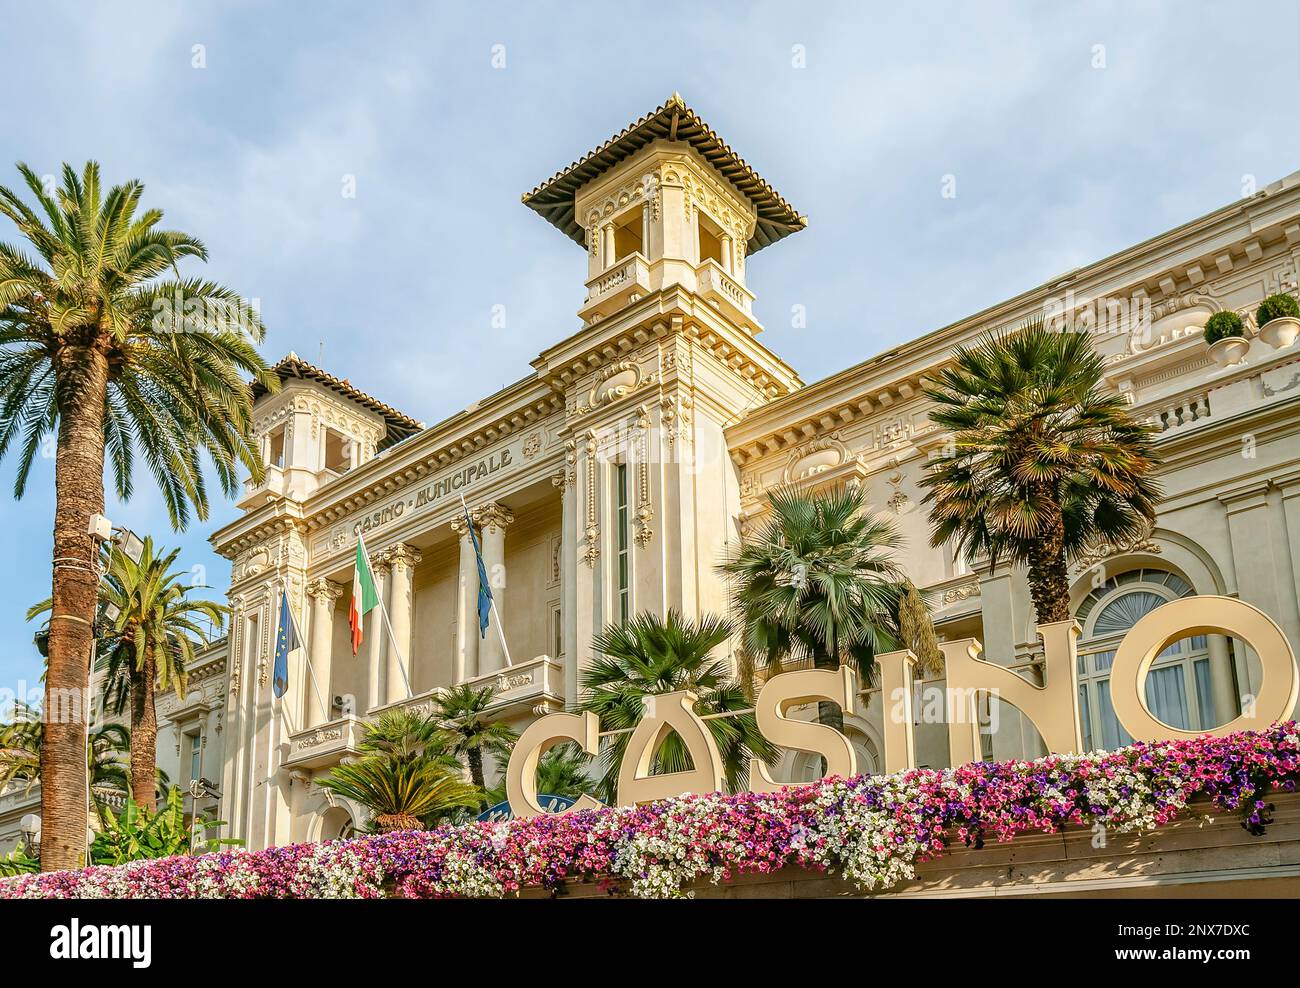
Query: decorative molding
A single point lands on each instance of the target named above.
(644, 509)
(1102, 551)
(493, 515)
(324, 590)
(818, 456)
(401, 556)
(954, 594)
(591, 552)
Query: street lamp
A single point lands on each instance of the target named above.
(199, 788)
(30, 828)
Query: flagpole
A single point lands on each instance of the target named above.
(500, 631)
(383, 610)
(311, 673)
(492, 602)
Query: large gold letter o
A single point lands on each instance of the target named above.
(1189, 616)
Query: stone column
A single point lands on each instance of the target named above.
(376, 639)
(608, 255)
(401, 560)
(726, 253)
(467, 639)
(319, 699)
(493, 519)
(568, 574)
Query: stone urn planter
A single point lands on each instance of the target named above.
(1229, 350)
(1278, 319)
(1280, 332)
(1226, 337)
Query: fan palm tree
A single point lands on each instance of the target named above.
(108, 758)
(402, 793)
(1044, 462)
(407, 735)
(562, 771)
(648, 656)
(103, 350)
(469, 734)
(820, 584)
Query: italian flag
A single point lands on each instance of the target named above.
(364, 597)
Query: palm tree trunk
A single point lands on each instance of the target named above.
(830, 714)
(475, 756)
(144, 736)
(82, 381)
(1049, 582)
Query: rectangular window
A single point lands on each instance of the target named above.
(275, 448)
(557, 631)
(623, 558)
(196, 756)
(1204, 695)
(710, 240)
(338, 452)
(627, 235)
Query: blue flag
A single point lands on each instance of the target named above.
(287, 639)
(484, 588)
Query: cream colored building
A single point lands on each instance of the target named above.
(635, 454)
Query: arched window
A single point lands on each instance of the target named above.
(1178, 685)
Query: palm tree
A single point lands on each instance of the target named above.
(562, 771)
(470, 735)
(150, 644)
(1044, 462)
(408, 735)
(99, 348)
(108, 758)
(819, 584)
(402, 793)
(649, 656)
(406, 776)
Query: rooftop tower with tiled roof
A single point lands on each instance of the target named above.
(315, 428)
(666, 202)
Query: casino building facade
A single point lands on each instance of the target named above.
(636, 454)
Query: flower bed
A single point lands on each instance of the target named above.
(871, 829)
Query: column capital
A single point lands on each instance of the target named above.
(401, 556)
(493, 515)
(460, 526)
(324, 590)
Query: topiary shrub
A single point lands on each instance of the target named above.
(1222, 325)
(1276, 307)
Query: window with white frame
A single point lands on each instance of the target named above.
(1178, 687)
(196, 755)
(623, 556)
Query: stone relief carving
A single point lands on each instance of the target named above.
(591, 552)
(1102, 551)
(818, 456)
(644, 510)
(954, 594)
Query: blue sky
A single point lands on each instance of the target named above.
(1057, 163)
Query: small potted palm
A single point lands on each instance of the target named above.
(1226, 337)
(1278, 317)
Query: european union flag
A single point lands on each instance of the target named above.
(484, 588)
(287, 640)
